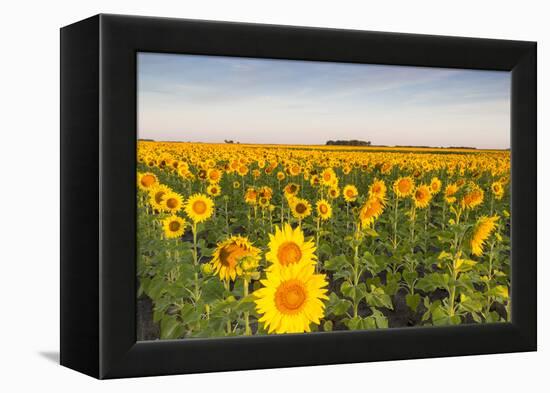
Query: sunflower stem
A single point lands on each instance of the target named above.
(247, 330)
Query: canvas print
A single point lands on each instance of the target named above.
(283, 196)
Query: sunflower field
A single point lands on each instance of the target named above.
(268, 239)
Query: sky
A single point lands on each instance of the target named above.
(213, 98)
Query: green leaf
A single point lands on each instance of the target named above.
(170, 328)
(413, 301)
(336, 263)
(378, 298)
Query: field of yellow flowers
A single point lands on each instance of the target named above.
(264, 239)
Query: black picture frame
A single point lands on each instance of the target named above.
(98, 208)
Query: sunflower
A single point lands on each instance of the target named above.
(497, 189)
(422, 196)
(378, 189)
(435, 185)
(280, 176)
(301, 208)
(403, 186)
(333, 192)
(226, 260)
(291, 299)
(485, 225)
(199, 207)
(155, 195)
(172, 202)
(324, 210)
(350, 193)
(288, 246)
(173, 226)
(291, 189)
(370, 211)
(263, 202)
(213, 190)
(251, 196)
(450, 191)
(236, 184)
(147, 180)
(243, 170)
(265, 192)
(214, 175)
(473, 198)
(328, 177)
(294, 170)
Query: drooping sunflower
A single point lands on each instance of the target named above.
(422, 196)
(228, 255)
(435, 185)
(155, 195)
(199, 207)
(172, 202)
(473, 198)
(324, 210)
(147, 180)
(213, 190)
(301, 208)
(288, 246)
(350, 193)
(403, 186)
(291, 299)
(370, 211)
(450, 192)
(378, 189)
(485, 225)
(497, 189)
(174, 226)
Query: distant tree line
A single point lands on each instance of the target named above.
(352, 142)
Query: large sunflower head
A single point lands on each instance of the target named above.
(291, 299)
(485, 225)
(174, 226)
(378, 190)
(300, 208)
(199, 207)
(403, 186)
(324, 210)
(147, 180)
(230, 255)
(370, 211)
(172, 202)
(350, 193)
(288, 247)
(422, 196)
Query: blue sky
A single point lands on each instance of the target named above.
(212, 98)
